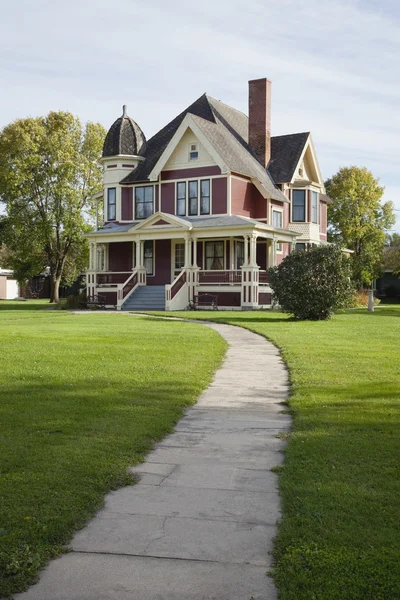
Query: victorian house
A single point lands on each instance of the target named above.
(205, 205)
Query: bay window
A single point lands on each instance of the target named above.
(143, 202)
(111, 204)
(299, 206)
(314, 207)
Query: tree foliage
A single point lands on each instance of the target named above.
(359, 220)
(312, 284)
(391, 258)
(49, 174)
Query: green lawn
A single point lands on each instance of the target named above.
(340, 534)
(81, 398)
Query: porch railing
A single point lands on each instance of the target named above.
(125, 289)
(220, 277)
(263, 277)
(176, 295)
(108, 278)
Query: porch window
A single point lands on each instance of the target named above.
(193, 198)
(239, 254)
(300, 246)
(111, 204)
(314, 207)
(143, 202)
(181, 198)
(205, 197)
(179, 256)
(148, 261)
(299, 206)
(215, 256)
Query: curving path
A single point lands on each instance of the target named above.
(199, 524)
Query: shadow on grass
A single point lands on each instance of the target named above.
(26, 305)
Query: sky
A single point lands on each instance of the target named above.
(334, 67)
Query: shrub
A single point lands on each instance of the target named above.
(312, 284)
(360, 299)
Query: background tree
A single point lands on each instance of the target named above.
(49, 175)
(312, 284)
(358, 219)
(391, 258)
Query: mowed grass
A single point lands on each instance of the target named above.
(339, 538)
(82, 398)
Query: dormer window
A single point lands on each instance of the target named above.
(193, 152)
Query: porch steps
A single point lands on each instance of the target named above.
(146, 297)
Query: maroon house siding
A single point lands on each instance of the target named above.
(227, 298)
(246, 200)
(260, 205)
(120, 256)
(190, 173)
(168, 198)
(111, 297)
(264, 298)
(219, 196)
(127, 204)
(241, 197)
(162, 270)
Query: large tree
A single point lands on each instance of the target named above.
(391, 258)
(359, 220)
(49, 175)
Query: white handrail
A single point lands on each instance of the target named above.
(120, 289)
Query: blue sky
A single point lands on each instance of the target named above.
(334, 67)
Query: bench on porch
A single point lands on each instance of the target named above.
(93, 301)
(204, 300)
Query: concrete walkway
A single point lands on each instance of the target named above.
(200, 523)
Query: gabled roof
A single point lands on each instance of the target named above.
(286, 151)
(225, 128)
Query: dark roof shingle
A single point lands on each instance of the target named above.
(285, 155)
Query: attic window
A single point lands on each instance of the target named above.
(193, 152)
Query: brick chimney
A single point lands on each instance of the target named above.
(260, 119)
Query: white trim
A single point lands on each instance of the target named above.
(157, 216)
(187, 123)
(279, 210)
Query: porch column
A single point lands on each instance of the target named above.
(292, 247)
(232, 253)
(137, 254)
(273, 253)
(141, 255)
(187, 252)
(246, 249)
(194, 256)
(253, 251)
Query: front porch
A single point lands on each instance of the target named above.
(183, 264)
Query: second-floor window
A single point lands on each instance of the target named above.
(193, 198)
(277, 220)
(143, 202)
(314, 207)
(299, 206)
(111, 204)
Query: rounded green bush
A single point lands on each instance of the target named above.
(312, 284)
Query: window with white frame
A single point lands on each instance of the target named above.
(215, 255)
(193, 198)
(239, 254)
(193, 152)
(277, 221)
(143, 202)
(179, 256)
(314, 207)
(298, 206)
(148, 261)
(181, 198)
(111, 204)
